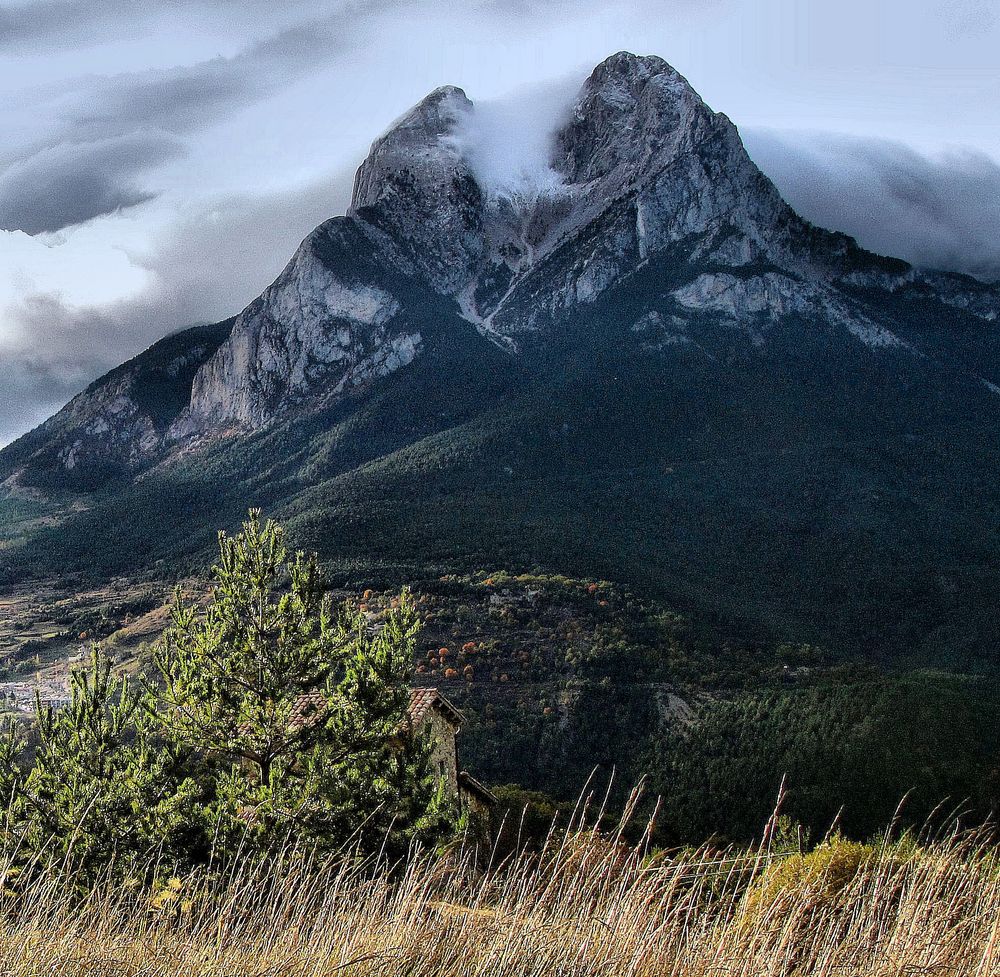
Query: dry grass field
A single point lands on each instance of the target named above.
(588, 906)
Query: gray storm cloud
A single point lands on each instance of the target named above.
(111, 131)
(28, 396)
(184, 99)
(38, 25)
(75, 182)
(936, 212)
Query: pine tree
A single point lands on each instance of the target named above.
(100, 789)
(270, 718)
(297, 714)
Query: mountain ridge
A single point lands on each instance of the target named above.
(650, 341)
(644, 164)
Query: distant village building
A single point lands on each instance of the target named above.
(56, 702)
(20, 697)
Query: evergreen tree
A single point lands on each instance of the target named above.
(270, 718)
(297, 714)
(100, 788)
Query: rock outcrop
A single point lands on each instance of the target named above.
(318, 327)
(120, 423)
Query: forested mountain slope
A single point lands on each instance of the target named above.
(643, 366)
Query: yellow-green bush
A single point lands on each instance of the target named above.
(817, 876)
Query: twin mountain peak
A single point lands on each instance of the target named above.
(651, 233)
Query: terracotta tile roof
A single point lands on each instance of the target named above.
(307, 709)
(310, 706)
(423, 700)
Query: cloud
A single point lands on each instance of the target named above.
(75, 182)
(186, 98)
(103, 134)
(50, 22)
(508, 141)
(27, 398)
(54, 353)
(40, 25)
(212, 259)
(939, 212)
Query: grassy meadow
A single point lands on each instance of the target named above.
(587, 904)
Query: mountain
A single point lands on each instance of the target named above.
(637, 362)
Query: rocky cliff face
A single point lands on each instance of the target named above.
(320, 326)
(416, 186)
(120, 423)
(644, 181)
(641, 165)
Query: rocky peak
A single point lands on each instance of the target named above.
(638, 136)
(329, 322)
(416, 143)
(646, 165)
(644, 179)
(631, 111)
(416, 185)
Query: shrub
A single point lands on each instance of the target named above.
(815, 877)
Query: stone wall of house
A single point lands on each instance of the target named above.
(444, 755)
(478, 822)
(474, 804)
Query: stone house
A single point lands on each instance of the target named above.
(431, 712)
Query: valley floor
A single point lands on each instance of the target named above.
(557, 676)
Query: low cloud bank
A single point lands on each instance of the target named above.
(939, 212)
(509, 142)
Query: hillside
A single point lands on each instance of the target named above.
(833, 501)
(562, 679)
(644, 368)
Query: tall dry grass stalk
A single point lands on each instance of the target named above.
(587, 905)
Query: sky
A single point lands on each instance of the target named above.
(160, 161)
